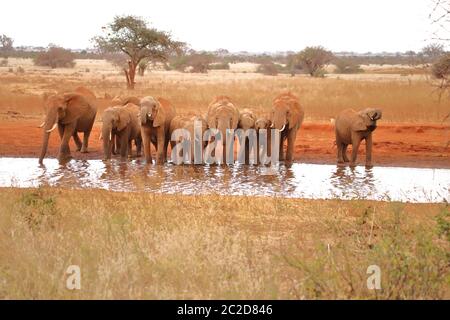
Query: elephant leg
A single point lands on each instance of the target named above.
(290, 145)
(281, 154)
(161, 143)
(369, 150)
(247, 151)
(123, 146)
(138, 142)
(356, 141)
(84, 147)
(146, 140)
(60, 131)
(64, 150)
(344, 152)
(166, 145)
(77, 140)
(130, 145)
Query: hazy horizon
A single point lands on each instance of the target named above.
(265, 26)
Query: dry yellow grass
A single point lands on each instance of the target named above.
(135, 245)
(402, 98)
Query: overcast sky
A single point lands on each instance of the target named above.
(265, 25)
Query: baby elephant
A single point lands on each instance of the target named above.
(351, 127)
(121, 122)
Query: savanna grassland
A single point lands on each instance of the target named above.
(413, 131)
(136, 245)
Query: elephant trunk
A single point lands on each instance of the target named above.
(50, 124)
(44, 146)
(143, 115)
(222, 126)
(107, 141)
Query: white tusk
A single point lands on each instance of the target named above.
(282, 128)
(110, 136)
(42, 124)
(100, 137)
(53, 128)
(272, 125)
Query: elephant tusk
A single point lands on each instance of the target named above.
(42, 124)
(110, 136)
(53, 128)
(100, 137)
(282, 128)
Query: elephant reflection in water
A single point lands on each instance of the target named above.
(353, 182)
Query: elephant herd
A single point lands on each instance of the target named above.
(152, 121)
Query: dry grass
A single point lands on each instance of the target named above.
(407, 98)
(132, 245)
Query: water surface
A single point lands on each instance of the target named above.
(310, 181)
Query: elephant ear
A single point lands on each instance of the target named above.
(160, 116)
(124, 119)
(210, 116)
(74, 106)
(295, 116)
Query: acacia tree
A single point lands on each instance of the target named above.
(6, 45)
(131, 36)
(313, 59)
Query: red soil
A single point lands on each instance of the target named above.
(394, 145)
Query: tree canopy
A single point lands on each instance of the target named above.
(133, 37)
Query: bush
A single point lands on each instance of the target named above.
(20, 70)
(4, 63)
(268, 69)
(219, 66)
(441, 68)
(313, 59)
(55, 57)
(346, 66)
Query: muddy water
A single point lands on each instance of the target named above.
(296, 181)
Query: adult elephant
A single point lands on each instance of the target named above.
(222, 115)
(287, 116)
(121, 122)
(156, 115)
(70, 113)
(351, 127)
(188, 124)
(247, 121)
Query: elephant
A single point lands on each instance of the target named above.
(85, 92)
(287, 116)
(156, 115)
(222, 115)
(121, 122)
(247, 121)
(351, 127)
(185, 122)
(118, 101)
(263, 123)
(70, 113)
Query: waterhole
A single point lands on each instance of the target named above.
(309, 181)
